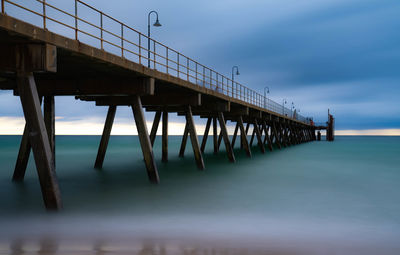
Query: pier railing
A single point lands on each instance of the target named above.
(100, 30)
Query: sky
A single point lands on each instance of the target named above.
(338, 54)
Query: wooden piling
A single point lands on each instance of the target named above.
(224, 133)
(39, 140)
(164, 157)
(205, 136)
(50, 121)
(154, 128)
(144, 139)
(215, 135)
(258, 135)
(267, 137)
(275, 131)
(234, 135)
(184, 141)
(243, 136)
(101, 153)
(23, 157)
(193, 138)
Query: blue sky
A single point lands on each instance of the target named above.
(342, 55)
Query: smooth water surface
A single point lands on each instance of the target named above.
(313, 197)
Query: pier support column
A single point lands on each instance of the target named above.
(235, 135)
(23, 157)
(252, 137)
(224, 133)
(39, 140)
(275, 132)
(154, 128)
(101, 153)
(184, 141)
(246, 132)
(164, 157)
(50, 122)
(215, 135)
(205, 136)
(144, 139)
(193, 138)
(267, 137)
(243, 136)
(258, 134)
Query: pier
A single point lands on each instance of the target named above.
(118, 69)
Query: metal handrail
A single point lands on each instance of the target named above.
(181, 66)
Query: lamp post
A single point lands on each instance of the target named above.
(265, 95)
(283, 106)
(291, 109)
(156, 24)
(233, 76)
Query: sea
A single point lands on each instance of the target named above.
(340, 197)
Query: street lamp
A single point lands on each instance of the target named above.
(283, 106)
(292, 108)
(156, 24)
(265, 95)
(233, 76)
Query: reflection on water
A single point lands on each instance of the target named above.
(315, 198)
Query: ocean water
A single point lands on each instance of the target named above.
(339, 197)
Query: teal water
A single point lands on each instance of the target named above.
(345, 192)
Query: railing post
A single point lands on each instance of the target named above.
(178, 65)
(210, 79)
(101, 30)
(2, 6)
(44, 13)
(187, 68)
(196, 72)
(166, 58)
(140, 48)
(204, 76)
(154, 54)
(76, 19)
(216, 88)
(122, 40)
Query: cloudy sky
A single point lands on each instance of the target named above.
(319, 54)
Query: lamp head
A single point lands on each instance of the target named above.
(157, 23)
(268, 91)
(237, 72)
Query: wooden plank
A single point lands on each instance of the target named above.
(224, 132)
(184, 141)
(39, 140)
(50, 121)
(154, 128)
(193, 138)
(258, 135)
(164, 157)
(215, 135)
(144, 139)
(23, 157)
(234, 135)
(205, 136)
(243, 136)
(101, 153)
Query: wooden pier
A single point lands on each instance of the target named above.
(38, 65)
